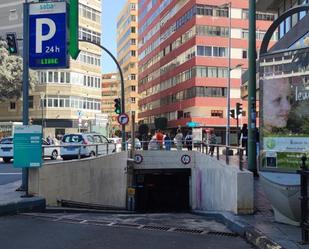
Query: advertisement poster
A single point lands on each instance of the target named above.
(284, 96)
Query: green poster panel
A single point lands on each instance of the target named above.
(27, 146)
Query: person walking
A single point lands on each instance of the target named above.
(167, 142)
(178, 139)
(244, 137)
(188, 140)
(212, 140)
(159, 138)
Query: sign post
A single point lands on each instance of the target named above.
(48, 35)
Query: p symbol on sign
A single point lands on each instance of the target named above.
(40, 37)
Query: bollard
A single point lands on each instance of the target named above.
(218, 156)
(240, 154)
(96, 150)
(304, 200)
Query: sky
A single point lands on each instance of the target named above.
(110, 11)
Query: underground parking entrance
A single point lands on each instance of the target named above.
(162, 190)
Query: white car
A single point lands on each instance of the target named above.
(7, 149)
(71, 145)
(138, 144)
(49, 150)
(117, 143)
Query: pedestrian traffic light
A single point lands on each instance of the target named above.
(238, 108)
(117, 106)
(11, 42)
(232, 113)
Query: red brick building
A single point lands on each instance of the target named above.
(183, 60)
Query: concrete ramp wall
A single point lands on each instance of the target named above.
(101, 180)
(221, 187)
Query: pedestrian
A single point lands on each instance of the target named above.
(167, 142)
(178, 140)
(244, 137)
(212, 140)
(188, 140)
(159, 137)
(50, 140)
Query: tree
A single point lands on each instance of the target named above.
(143, 129)
(161, 123)
(11, 78)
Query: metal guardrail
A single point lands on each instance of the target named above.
(211, 149)
(304, 174)
(95, 149)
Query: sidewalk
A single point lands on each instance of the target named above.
(261, 228)
(11, 202)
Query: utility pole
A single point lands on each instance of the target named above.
(252, 90)
(25, 86)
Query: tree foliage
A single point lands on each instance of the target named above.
(161, 123)
(11, 74)
(143, 129)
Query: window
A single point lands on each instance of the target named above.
(133, 41)
(217, 113)
(30, 101)
(133, 29)
(133, 88)
(244, 54)
(133, 100)
(12, 105)
(133, 53)
(132, 77)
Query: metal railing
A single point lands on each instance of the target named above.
(79, 150)
(212, 149)
(304, 174)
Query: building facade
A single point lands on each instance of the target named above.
(64, 100)
(183, 60)
(110, 91)
(127, 54)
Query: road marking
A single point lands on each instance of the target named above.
(10, 174)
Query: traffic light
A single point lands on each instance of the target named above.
(238, 108)
(232, 113)
(11, 42)
(117, 106)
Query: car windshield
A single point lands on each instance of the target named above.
(7, 140)
(72, 138)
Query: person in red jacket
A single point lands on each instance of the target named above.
(159, 138)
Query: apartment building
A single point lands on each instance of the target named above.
(127, 54)
(64, 100)
(183, 60)
(110, 91)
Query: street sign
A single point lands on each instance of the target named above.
(138, 158)
(123, 119)
(27, 144)
(185, 159)
(192, 124)
(48, 35)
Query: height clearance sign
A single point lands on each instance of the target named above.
(48, 35)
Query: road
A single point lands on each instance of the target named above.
(28, 232)
(8, 173)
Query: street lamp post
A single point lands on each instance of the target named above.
(42, 97)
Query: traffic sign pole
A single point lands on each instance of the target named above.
(74, 49)
(24, 185)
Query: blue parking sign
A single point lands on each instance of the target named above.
(48, 35)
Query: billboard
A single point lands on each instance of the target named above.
(284, 98)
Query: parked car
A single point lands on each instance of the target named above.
(138, 144)
(116, 141)
(7, 149)
(153, 144)
(49, 150)
(77, 139)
